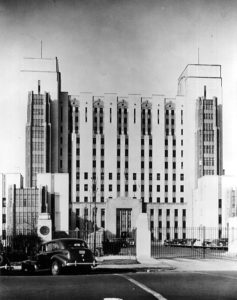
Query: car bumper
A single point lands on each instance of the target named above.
(75, 264)
(6, 267)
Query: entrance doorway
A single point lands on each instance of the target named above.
(123, 221)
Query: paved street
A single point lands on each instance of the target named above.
(124, 285)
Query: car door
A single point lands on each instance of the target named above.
(42, 256)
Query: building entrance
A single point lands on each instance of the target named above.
(123, 221)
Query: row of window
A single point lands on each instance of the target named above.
(158, 199)
(168, 212)
(134, 175)
(167, 224)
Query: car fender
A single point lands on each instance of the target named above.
(59, 258)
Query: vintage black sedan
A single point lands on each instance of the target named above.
(60, 254)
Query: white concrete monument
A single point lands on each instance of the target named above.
(143, 237)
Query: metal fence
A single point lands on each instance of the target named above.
(194, 242)
(102, 242)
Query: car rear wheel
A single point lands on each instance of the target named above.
(56, 268)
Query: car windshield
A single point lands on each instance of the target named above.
(74, 244)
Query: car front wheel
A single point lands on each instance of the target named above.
(56, 268)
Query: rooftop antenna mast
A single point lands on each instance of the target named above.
(41, 49)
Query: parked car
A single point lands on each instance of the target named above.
(60, 254)
(207, 243)
(4, 262)
(219, 243)
(112, 246)
(167, 243)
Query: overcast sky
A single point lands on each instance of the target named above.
(114, 46)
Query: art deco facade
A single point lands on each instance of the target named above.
(125, 155)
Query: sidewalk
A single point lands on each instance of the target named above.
(131, 263)
(184, 264)
(176, 264)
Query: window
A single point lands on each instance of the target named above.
(181, 177)
(110, 187)
(160, 212)
(158, 188)
(174, 200)
(158, 199)
(166, 165)
(166, 176)
(3, 218)
(158, 176)
(110, 115)
(174, 188)
(181, 188)
(220, 203)
(85, 187)
(85, 199)
(134, 176)
(184, 212)
(181, 199)
(176, 212)
(166, 199)
(134, 188)
(78, 187)
(85, 175)
(110, 176)
(219, 219)
(166, 188)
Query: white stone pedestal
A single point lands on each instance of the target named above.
(143, 237)
(44, 228)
